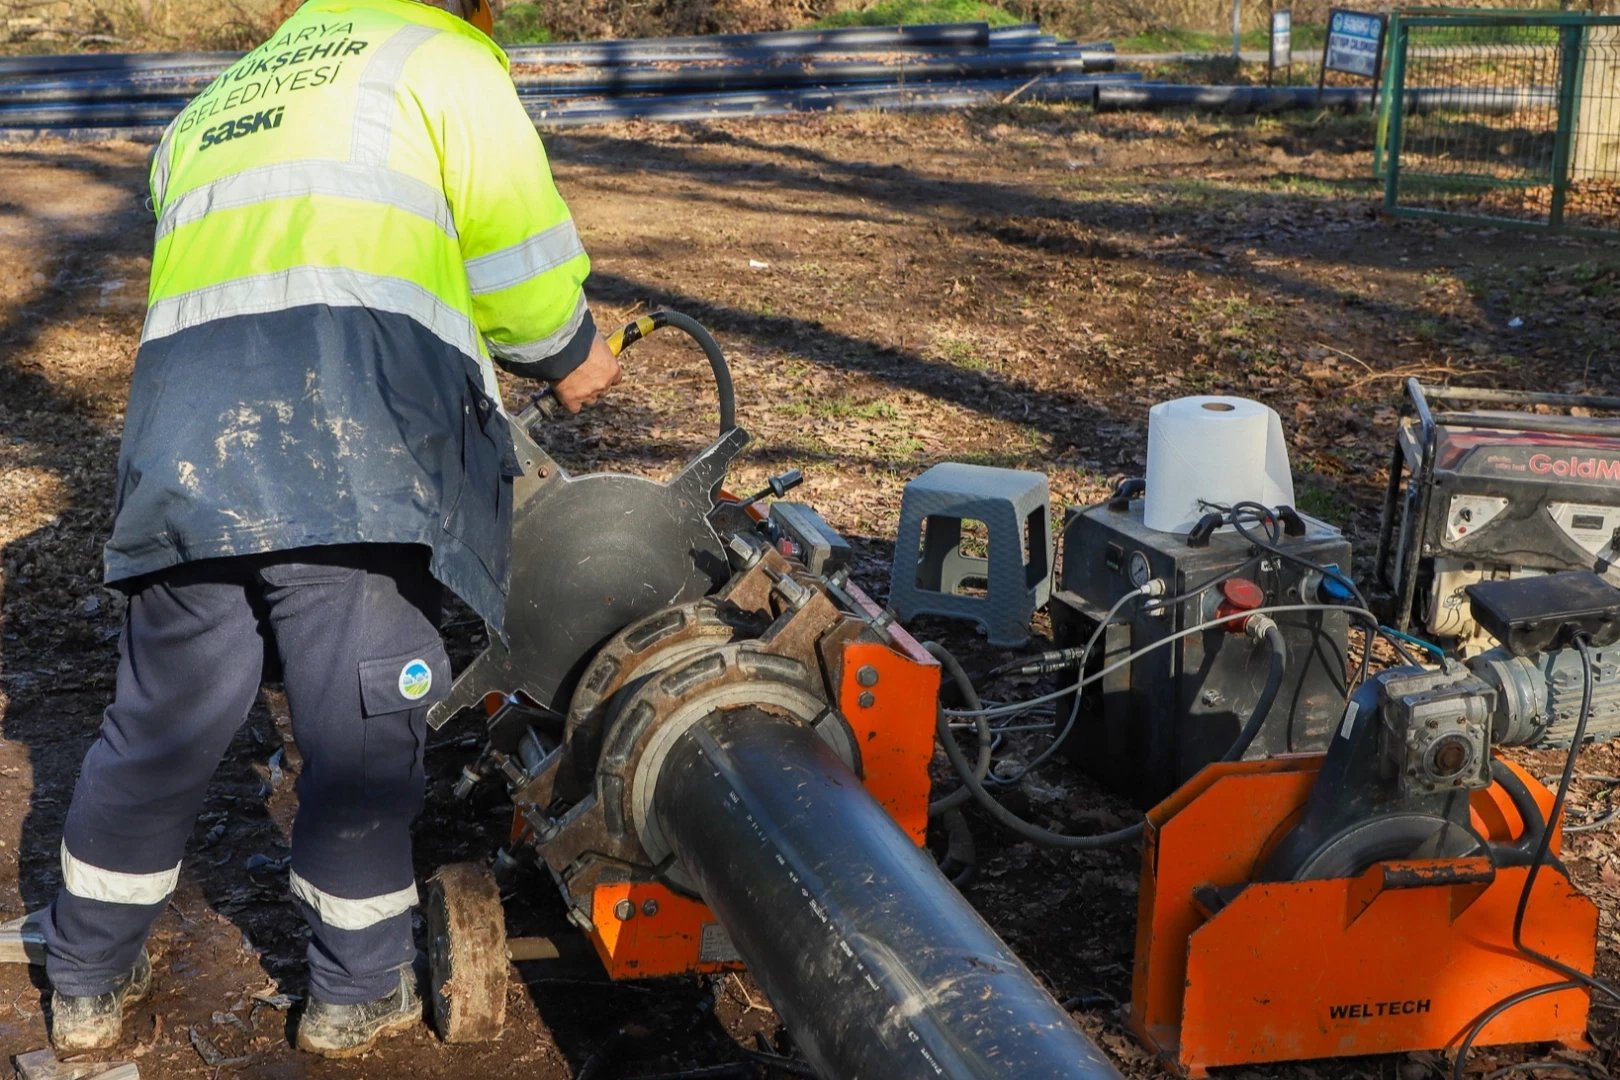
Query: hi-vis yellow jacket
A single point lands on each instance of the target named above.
(351, 222)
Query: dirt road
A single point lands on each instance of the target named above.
(1011, 287)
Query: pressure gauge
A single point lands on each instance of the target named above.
(1138, 569)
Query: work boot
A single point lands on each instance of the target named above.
(96, 1023)
(340, 1031)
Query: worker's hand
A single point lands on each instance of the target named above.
(586, 384)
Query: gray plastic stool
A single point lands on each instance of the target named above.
(1015, 507)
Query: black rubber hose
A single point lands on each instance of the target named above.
(961, 861)
(1544, 844)
(1132, 833)
(1457, 1068)
(717, 362)
(972, 784)
(1521, 852)
(1540, 857)
(1262, 708)
(981, 768)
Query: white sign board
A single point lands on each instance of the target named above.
(1282, 38)
(1354, 40)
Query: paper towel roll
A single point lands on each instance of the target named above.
(1218, 450)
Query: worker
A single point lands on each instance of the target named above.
(352, 222)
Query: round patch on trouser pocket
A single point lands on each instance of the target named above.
(404, 681)
(415, 680)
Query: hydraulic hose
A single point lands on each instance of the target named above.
(973, 784)
(961, 859)
(981, 768)
(634, 332)
(546, 403)
(1262, 708)
(975, 788)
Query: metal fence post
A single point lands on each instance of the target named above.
(1395, 103)
(1383, 94)
(1569, 86)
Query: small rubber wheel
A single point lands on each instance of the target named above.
(467, 965)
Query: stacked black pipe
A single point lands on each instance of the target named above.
(593, 82)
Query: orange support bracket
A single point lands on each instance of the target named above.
(1406, 956)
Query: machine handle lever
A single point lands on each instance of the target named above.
(1422, 873)
(777, 486)
(547, 403)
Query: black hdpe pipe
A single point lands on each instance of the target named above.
(109, 115)
(673, 108)
(659, 53)
(767, 76)
(864, 37)
(1242, 99)
(619, 80)
(115, 63)
(878, 967)
(143, 120)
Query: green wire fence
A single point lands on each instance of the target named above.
(1509, 116)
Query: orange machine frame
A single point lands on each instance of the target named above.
(1405, 957)
(669, 933)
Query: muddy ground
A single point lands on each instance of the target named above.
(1011, 286)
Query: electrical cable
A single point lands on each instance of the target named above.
(1001, 814)
(1391, 632)
(1235, 515)
(1498, 1009)
(1010, 710)
(1608, 817)
(1576, 978)
(1055, 659)
(1544, 848)
(1596, 823)
(1131, 833)
(717, 364)
(1080, 669)
(1269, 517)
(1160, 603)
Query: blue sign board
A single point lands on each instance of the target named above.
(1355, 42)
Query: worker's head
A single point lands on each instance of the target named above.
(477, 12)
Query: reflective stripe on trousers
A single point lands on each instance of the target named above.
(112, 887)
(343, 914)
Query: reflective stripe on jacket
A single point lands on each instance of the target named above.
(352, 221)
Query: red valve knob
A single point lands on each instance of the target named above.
(1240, 595)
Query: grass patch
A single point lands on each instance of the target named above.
(1325, 505)
(522, 24)
(845, 409)
(1161, 40)
(961, 352)
(913, 12)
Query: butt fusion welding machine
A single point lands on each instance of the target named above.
(717, 747)
(1348, 882)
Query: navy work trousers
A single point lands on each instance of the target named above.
(356, 628)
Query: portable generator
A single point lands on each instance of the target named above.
(1493, 494)
(1148, 727)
